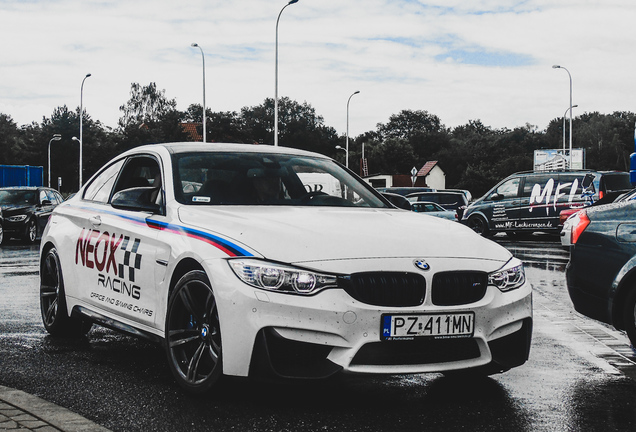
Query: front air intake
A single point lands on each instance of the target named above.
(455, 288)
(396, 289)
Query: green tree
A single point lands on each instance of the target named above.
(299, 126)
(149, 117)
(98, 146)
(424, 132)
(392, 156)
(146, 105)
(9, 139)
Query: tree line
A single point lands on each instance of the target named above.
(473, 156)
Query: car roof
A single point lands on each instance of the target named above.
(22, 188)
(419, 203)
(566, 171)
(435, 193)
(190, 147)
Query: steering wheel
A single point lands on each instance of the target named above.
(311, 195)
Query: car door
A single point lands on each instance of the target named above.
(116, 248)
(45, 207)
(542, 199)
(504, 204)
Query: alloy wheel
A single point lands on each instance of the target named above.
(32, 231)
(50, 289)
(193, 333)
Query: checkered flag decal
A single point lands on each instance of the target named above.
(132, 259)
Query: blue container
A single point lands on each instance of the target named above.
(21, 175)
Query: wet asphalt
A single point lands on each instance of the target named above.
(580, 376)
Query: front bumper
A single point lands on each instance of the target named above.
(14, 229)
(315, 336)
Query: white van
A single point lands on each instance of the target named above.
(321, 182)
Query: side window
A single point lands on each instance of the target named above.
(509, 188)
(537, 184)
(52, 196)
(58, 197)
(140, 171)
(99, 189)
(575, 183)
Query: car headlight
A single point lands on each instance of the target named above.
(509, 277)
(19, 218)
(280, 278)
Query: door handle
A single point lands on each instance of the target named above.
(95, 220)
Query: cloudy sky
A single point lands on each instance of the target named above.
(461, 60)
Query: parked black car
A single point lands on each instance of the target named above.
(403, 190)
(601, 274)
(532, 201)
(397, 200)
(448, 200)
(26, 211)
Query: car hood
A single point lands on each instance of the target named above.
(304, 234)
(10, 209)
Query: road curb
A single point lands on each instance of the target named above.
(26, 406)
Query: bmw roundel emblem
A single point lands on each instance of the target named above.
(421, 264)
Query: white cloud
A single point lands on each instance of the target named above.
(488, 60)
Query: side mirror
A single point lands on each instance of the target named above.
(46, 202)
(135, 199)
(496, 197)
(588, 181)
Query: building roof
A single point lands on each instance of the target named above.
(191, 130)
(426, 169)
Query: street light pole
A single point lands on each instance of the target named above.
(56, 137)
(347, 139)
(564, 114)
(195, 45)
(81, 138)
(570, 76)
(344, 150)
(276, 76)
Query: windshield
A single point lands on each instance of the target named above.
(18, 197)
(267, 179)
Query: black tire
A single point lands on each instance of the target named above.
(629, 316)
(479, 225)
(53, 300)
(193, 335)
(31, 232)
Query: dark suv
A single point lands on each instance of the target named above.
(532, 201)
(26, 211)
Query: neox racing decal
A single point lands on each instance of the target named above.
(116, 259)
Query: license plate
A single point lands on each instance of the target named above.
(439, 326)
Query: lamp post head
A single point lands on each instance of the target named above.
(194, 44)
(76, 139)
(87, 75)
(340, 148)
(356, 92)
(556, 67)
(292, 2)
(57, 137)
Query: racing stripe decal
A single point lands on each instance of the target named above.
(220, 243)
(229, 248)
